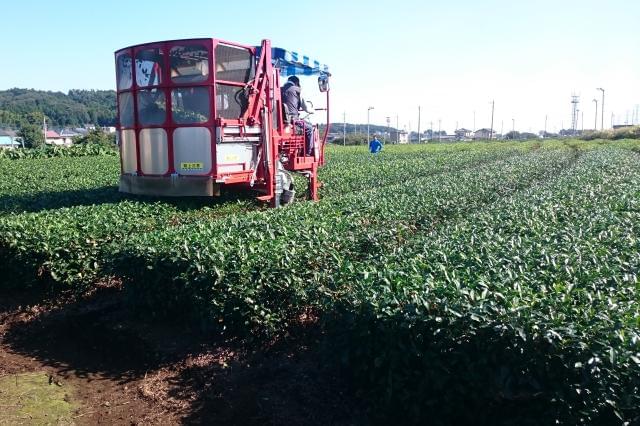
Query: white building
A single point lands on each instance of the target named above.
(8, 139)
(464, 134)
(398, 136)
(484, 134)
(55, 138)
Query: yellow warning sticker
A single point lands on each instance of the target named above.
(191, 166)
(229, 158)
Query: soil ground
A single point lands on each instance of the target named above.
(113, 368)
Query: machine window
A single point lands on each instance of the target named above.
(152, 107)
(233, 64)
(190, 105)
(123, 70)
(149, 65)
(125, 104)
(128, 149)
(231, 101)
(189, 64)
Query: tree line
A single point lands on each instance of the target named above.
(73, 109)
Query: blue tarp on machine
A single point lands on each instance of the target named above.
(293, 63)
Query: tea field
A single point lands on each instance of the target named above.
(491, 283)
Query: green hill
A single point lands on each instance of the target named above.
(76, 108)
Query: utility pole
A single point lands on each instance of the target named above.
(439, 129)
(419, 137)
(575, 100)
(431, 135)
(474, 121)
(397, 129)
(368, 109)
(44, 128)
(389, 128)
(544, 135)
(502, 129)
(493, 106)
(595, 122)
(602, 109)
(344, 129)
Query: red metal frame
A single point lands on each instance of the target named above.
(286, 140)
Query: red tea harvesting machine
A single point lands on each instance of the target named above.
(198, 115)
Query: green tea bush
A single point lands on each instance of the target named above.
(524, 309)
(632, 132)
(235, 271)
(491, 283)
(50, 151)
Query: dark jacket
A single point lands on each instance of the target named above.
(291, 100)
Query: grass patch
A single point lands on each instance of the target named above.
(30, 398)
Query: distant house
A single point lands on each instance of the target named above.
(484, 134)
(464, 134)
(66, 133)
(81, 130)
(334, 137)
(413, 138)
(8, 139)
(398, 136)
(622, 126)
(55, 138)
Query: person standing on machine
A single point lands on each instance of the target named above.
(293, 104)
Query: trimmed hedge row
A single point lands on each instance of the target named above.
(524, 309)
(488, 277)
(486, 287)
(78, 218)
(51, 151)
(260, 270)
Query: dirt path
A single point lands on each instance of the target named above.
(120, 370)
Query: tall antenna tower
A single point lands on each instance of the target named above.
(575, 100)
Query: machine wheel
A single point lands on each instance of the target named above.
(288, 195)
(285, 190)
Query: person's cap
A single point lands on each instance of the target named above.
(295, 80)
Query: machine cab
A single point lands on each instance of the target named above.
(199, 114)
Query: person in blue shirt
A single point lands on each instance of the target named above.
(375, 146)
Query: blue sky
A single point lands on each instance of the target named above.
(451, 58)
